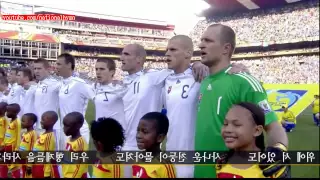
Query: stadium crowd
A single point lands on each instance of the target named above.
(278, 70)
(90, 38)
(274, 25)
(267, 26)
(302, 69)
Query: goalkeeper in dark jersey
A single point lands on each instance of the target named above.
(220, 90)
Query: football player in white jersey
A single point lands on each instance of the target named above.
(15, 90)
(25, 79)
(46, 95)
(4, 89)
(74, 93)
(181, 92)
(108, 96)
(144, 89)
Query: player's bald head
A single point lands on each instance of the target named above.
(51, 115)
(138, 50)
(226, 35)
(184, 41)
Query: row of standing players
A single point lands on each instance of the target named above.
(196, 113)
(126, 102)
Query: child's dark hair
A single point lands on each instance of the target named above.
(16, 106)
(109, 132)
(78, 116)
(32, 117)
(162, 121)
(259, 119)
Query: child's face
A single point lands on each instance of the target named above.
(70, 126)
(46, 122)
(26, 122)
(239, 129)
(146, 134)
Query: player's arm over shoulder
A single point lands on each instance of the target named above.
(87, 90)
(249, 89)
(158, 76)
(56, 84)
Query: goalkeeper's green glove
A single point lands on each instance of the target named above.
(278, 168)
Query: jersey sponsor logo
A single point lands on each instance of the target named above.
(265, 106)
(169, 89)
(22, 148)
(8, 135)
(279, 98)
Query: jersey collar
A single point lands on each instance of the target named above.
(67, 80)
(221, 72)
(188, 71)
(131, 77)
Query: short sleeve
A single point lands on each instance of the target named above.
(56, 86)
(159, 77)
(252, 91)
(88, 91)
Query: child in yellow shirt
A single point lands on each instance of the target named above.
(152, 130)
(72, 123)
(108, 136)
(242, 132)
(3, 128)
(27, 142)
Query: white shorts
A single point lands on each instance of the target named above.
(128, 168)
(184, 171)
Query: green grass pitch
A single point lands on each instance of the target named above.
(304, 137)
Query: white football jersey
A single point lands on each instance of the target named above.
(108, 102)
(47, 99)
(143, 96)
(74, 95)
(3, 97)
(27, 99)
(15, 93)
(181, 92)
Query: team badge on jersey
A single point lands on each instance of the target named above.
(209, 88)
(200, 97)
(265, 106)
(169, 89)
